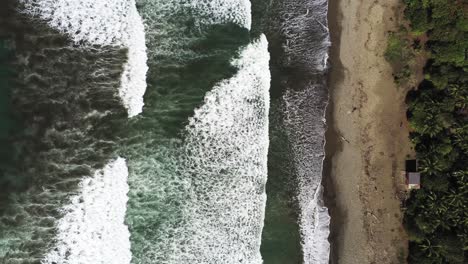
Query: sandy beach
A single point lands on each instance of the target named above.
(367, 140)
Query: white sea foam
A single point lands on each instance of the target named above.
(93, 229)
(134, 76)
(303, 23)
(204, 11)
(102, 23)
(304, 124)
(221, 11)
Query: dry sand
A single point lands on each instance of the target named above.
(367, 141)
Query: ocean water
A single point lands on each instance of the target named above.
(7, 125)
(297, 224)
(92, 230)
(103, 23)
(65, 99)
(165, 131)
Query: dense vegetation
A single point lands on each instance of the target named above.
(437, 215)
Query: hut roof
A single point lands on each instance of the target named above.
(414, 178)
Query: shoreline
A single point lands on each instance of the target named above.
(332, 144)
(367, 136)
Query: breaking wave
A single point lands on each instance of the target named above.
(92, 229)
(184, 189)
(207, 101)
(102, 23)
(66, 101)
(228, 166)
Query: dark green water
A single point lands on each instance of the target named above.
(177, 87)
(281, 237)
(298, 46)
(56, 139)
(7, 124)
(281, 241)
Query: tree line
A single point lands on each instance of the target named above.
(436, 216)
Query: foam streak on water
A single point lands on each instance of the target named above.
(216, 11)
(303, 24)
(103, 23)
(92, 229)
(305, 127)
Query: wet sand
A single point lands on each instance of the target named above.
(367, 138)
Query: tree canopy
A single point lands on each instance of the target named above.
(437, 215)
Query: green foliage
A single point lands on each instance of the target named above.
(462, 24)
(399, 53)
(402, 75)
(454, 53)
(437, 215)
(396, 48)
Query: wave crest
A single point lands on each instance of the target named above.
(103, 23)
(92, 229)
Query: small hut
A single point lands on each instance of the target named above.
(412, 176)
